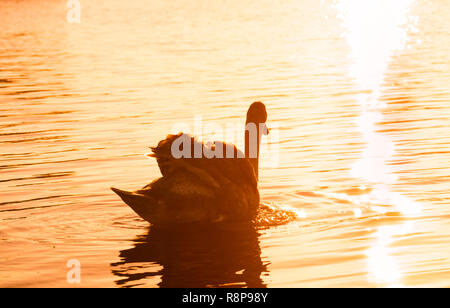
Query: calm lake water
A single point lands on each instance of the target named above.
(358, 99)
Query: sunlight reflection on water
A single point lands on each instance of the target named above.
(376, 30)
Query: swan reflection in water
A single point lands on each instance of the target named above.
(200, 256)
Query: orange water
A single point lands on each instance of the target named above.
(357, 92)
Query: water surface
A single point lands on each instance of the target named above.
(357, 94)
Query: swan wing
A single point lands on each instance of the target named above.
(189, 194)
(236, 170)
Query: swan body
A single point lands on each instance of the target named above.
(200, 190)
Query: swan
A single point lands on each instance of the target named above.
(203, 188)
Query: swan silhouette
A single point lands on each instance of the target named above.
(203, 188)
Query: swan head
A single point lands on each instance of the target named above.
(257, 114)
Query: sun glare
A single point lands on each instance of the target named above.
(375, 30)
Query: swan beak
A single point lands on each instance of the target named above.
(265, 129)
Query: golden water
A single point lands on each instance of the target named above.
(358, 94)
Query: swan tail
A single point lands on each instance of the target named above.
(140, 203)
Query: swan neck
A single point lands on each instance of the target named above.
(252, 144)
